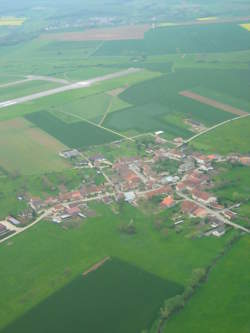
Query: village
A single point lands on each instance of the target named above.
(168, 176)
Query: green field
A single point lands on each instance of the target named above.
(148, 118)
(91, 108)
(221, 305)
(182, 39)
(232, 184)
(230, 138)
(75, 135)
(58, 256)
(98, 302)
(157, 105)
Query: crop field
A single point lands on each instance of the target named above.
(98, 301)
(219, 96)
(76, 135)
(222, 303)
(68, 253)
(11, 21)
(117, 33)
(91, 108)
(25, 149)
(148, 118)
(161, 96)
(182, 39)
(233, 137)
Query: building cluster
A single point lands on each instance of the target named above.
(189, 186)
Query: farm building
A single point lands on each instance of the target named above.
(13, 221)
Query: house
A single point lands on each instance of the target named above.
(188, 207)
(50, 201)
(175, 154)
(129, 196)
(203, 197)
(170, 179)
(245, 160)
(200, 159)
(73, 211)
(218, 232)
(229, 214)
(69, 153)
(161, 190)
(159, 132)
(167, 202)
(76, 195)
(200, 212)
(36, 203)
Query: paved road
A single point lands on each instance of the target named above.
(214, 213)
(73, 86)
(212, 128)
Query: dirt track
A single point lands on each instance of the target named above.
(119, 33)
(212, 102)
(96, 266)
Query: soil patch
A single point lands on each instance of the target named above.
(213, 103)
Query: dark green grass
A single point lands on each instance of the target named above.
(146, 118)
(182, 39)
(222, 303)
(155, 100)
(77, 135)
(165, 90)
(118, 297)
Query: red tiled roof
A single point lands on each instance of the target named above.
(168, 201)
(188, 207)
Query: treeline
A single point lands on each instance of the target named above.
(199, 276)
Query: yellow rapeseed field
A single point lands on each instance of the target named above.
(246, 26)
(11, 21)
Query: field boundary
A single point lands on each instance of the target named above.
(97, 125)
(212, 102)
(96, 266)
